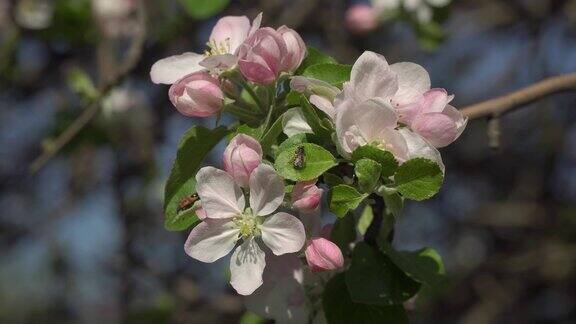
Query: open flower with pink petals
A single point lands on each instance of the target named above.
(229, 221)
(379, 96)
(227, 35)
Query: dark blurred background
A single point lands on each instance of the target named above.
(82, 238)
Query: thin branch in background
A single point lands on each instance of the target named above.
(524, 96)
(129, 62)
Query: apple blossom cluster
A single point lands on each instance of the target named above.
(367, 135)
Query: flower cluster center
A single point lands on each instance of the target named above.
(248, 224)
(218, 48)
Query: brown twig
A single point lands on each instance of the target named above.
(89, 112)
(509, 102)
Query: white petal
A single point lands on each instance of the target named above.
(219, 62)
(293, 122)
(375, 114)
(283, 233)
(266, 190)
(255, 24)
(413, 81)
(323, 104)
(419, 147)
(371, 77)
(221, 197)
(171, 69)
(246, 267)
(211, 239)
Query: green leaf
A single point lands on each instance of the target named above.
(317, 160)
(394, 204)
(314, 57)
(292, 141)
(333, 73)
(245, 129)
(193, 147)
(271, 136)
(374, 279)
(365, 220)
(368, 173)
(343, 198)
(339, 307)
(343, 233)
(313, 120)
(332, 180)
(251, 318)
(418, 179)
(385, 158)
(424, 265)
(202, 9)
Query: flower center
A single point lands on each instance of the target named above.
(384, 146)
(248, 224)
(217, 48)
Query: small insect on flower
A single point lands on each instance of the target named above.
(187, 202)
(299, 161)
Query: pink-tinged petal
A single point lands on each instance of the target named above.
(255, 24)
(283, 233)
(197, 95)
(420, 147)
(348, 134)
(413, 81)
(407, 113)
(246, 267)
(322, 255)
(266, 190)
(435, 100)
(171, 69)
(281, 297)
(391, 140)
(200, 212)
(242, 155)
(323, 104)
(221, 197)
(230, 32)
(375, 114)
(211, 240)
(306, 196)
(458, 118)
(256, 70)
(219, 62)
(296, 49)
(371, 77)
(437, 128)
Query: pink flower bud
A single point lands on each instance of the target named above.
(361, 18)
(322, 254)
(241, 157)
(197, 95)
(296, 49)
(306, 196)
(260, 56)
